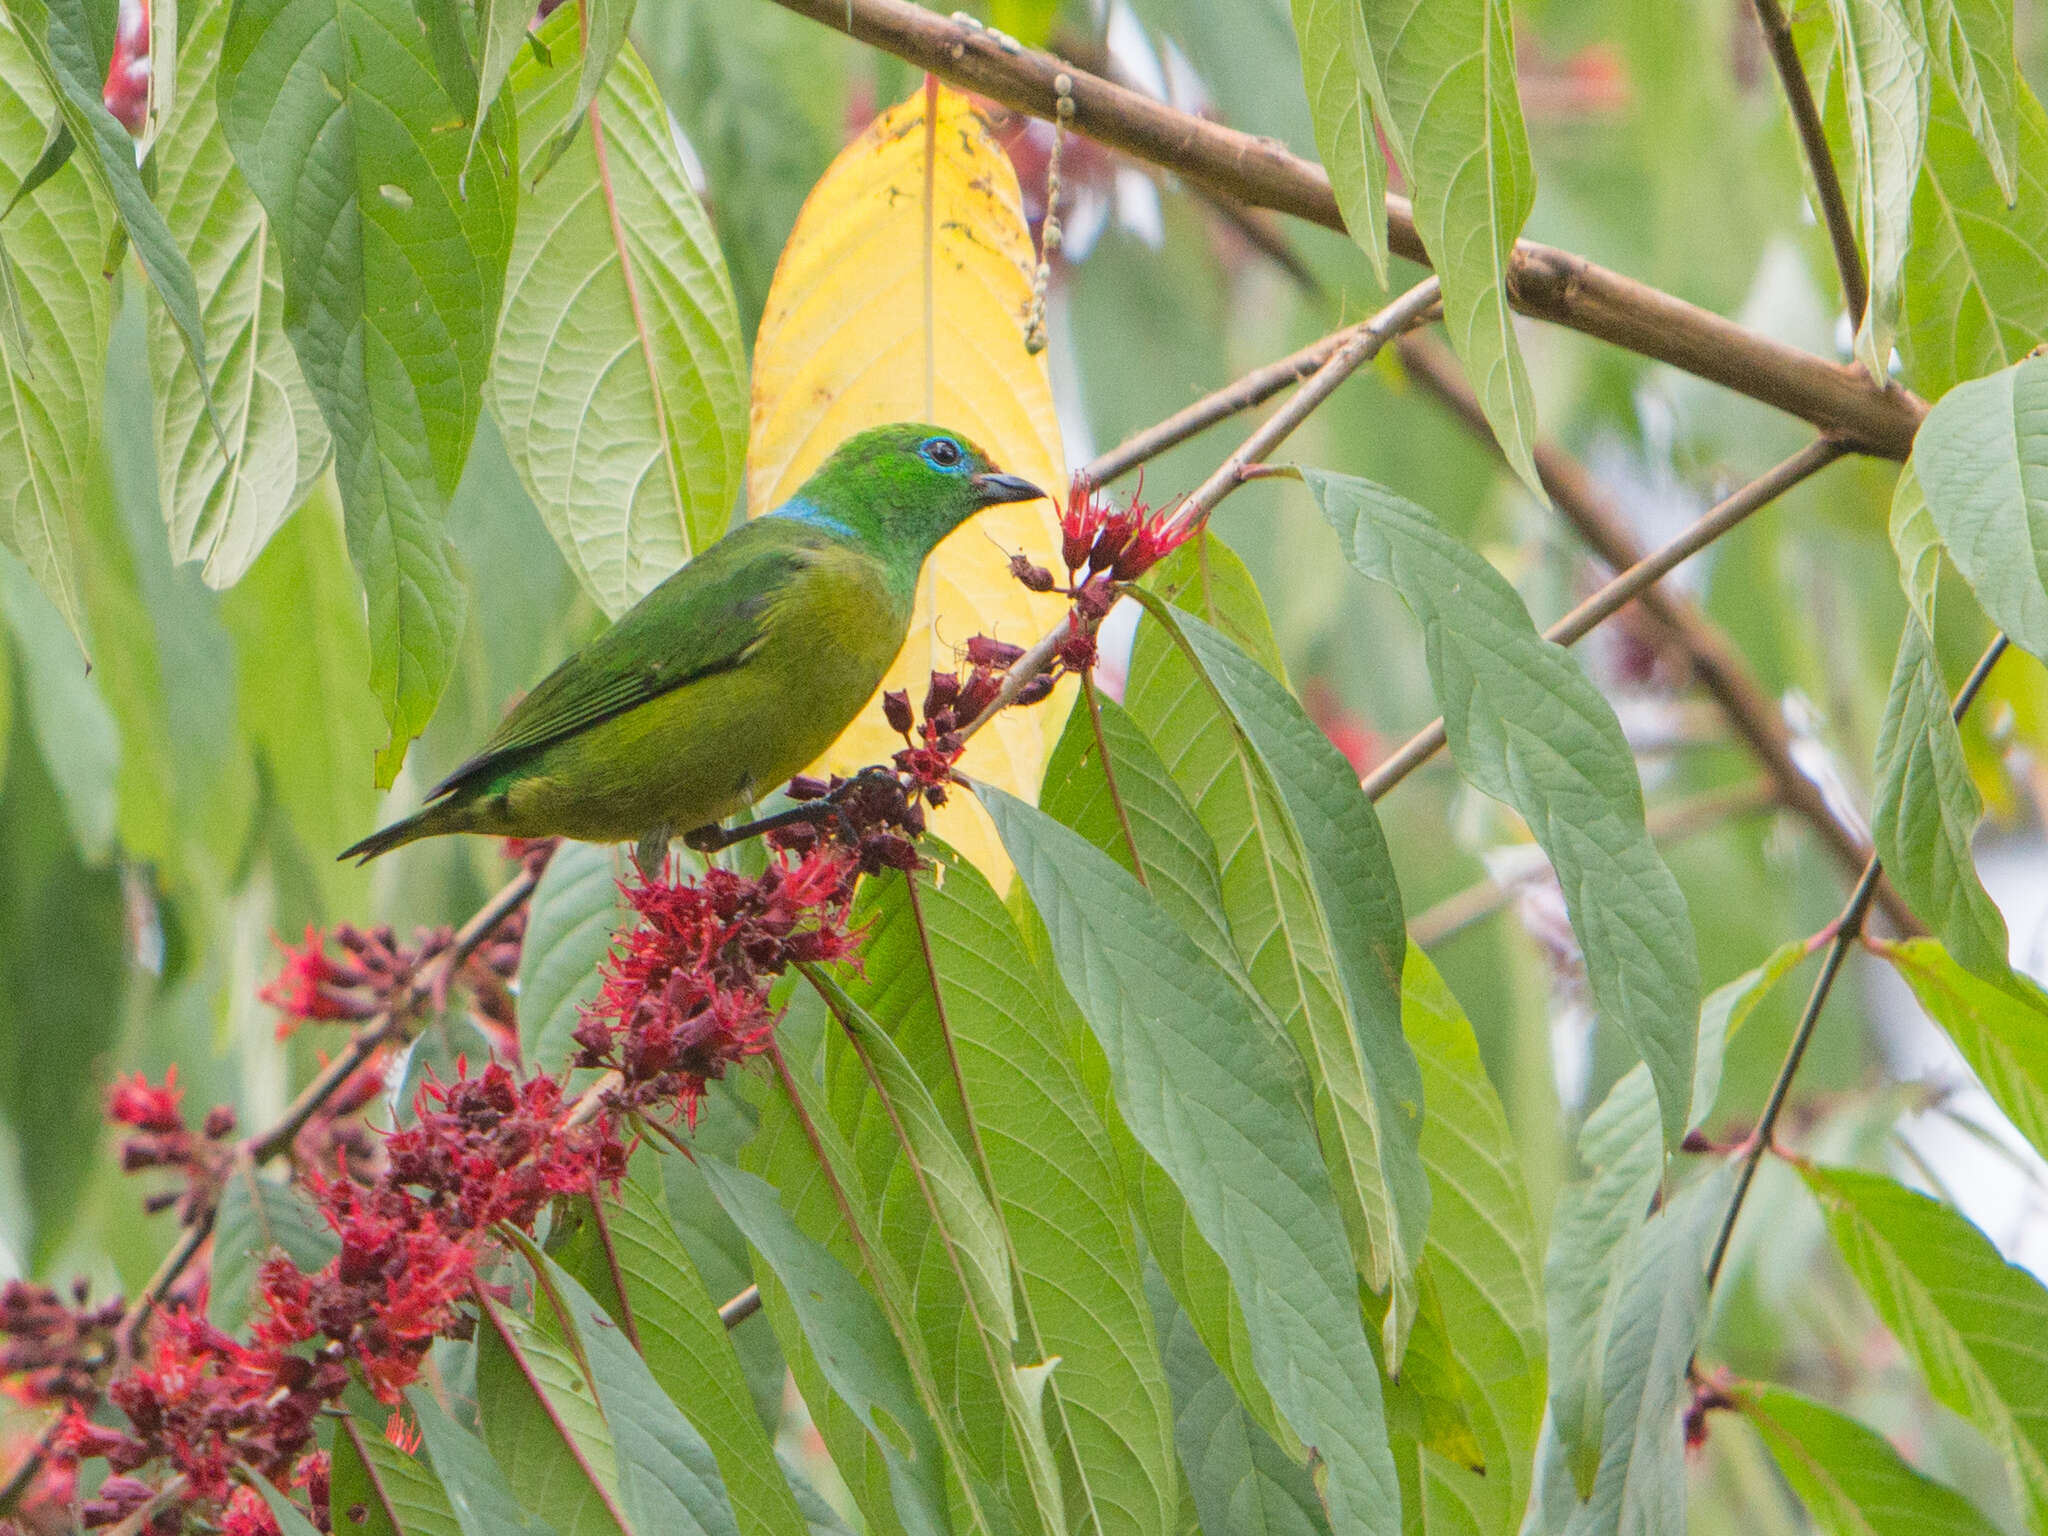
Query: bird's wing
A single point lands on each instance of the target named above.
(705, 619)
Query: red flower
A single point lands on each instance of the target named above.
(1097, 536)
(313, 987)
(145, 1105)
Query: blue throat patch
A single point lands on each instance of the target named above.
(799, 509)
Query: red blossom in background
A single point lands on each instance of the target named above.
(166, 1142)
(126, 92)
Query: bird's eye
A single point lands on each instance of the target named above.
(943, 452)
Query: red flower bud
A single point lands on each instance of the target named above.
(220, 1121)
(805, 787)
(943, 693)
(896, 710)
(1077, 647)
(985, 652)
(980, 692)
(138, 1102)
(1096, 599)
(1035, 578)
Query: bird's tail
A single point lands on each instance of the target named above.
(430, 821)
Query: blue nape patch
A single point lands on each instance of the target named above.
(802, 510)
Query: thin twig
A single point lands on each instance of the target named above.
(1670, 823)
(263, 1145)
(1721, 671)
(1630, 584)
(1543, 282)
(1846, 930)
(1820, 160)
(1359, 347)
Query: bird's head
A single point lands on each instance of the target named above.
(904, 487)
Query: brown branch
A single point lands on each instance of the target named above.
(1670, 823)
(1679, 622)
(1813, 141)
(1846, 930)
(1543, 283)
(1627, 587)
(263, 1145)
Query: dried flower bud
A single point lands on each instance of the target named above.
(1035, 578)
(1035, 691)
(943, 693)
(220, 1122)
(896, 710)
(1077, 648)
(980, 692)
(1095, 600)
(806, 787)
(983, 651)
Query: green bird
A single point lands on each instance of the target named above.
(733, 674)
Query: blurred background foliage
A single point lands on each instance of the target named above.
(163, 818)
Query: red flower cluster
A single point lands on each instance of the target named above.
(1123, 543)
(51, 1351)
(166, 1142)
(685, 993)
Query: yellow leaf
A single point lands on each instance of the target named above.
(902, 295)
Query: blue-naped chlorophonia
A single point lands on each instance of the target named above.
(735, 672)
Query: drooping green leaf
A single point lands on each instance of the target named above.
(502, 28)
(2000, 1027)
(1591, 1234)
(1240, 1479)
(224, 495)
(1970, 1321)
(603, 24)
(1484, 1260)
(1220, 1116)
(1344, 92)
(1982, 461)
(1848, 1476)
(851, 1341)
(258, 1217)
(76, 68)
(946, 975)
(1886, 75)
(636, 1265)
(1651, 1328)
(1352, 912)
(1206, 577)
(394, 261)
(52, 356)
(478, 1490)
(576, 909)
(1528, 728)
(619, 378)
(396, 1495)
(1971, 41)
(1456, 116)
(1975, 294)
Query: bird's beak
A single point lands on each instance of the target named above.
(996, 488)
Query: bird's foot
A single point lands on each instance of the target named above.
(829, 806)
(650, 854)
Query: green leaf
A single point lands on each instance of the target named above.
(1205, 577)
(1456, 117)
(1982, 460)
(637, 1266)
(224, 494)
(1653, 1324)
(2000, 1027)
(52, 359)
(73, 727)
(307, 707)
(604, 26)
(502, 28)
(1970, 1321)
(1528, 728)
(1724, 1012)
(1240, 1479)
(477, 1489)
(290, 1518)
(77, 72)
(947, 977)
(258, 1217)
(620, 377)
(1848, 1476)
(394, 261)
(396, 1494)
(1344, 91)
(1351, 918)
(1885, 79)
(1222, 1118)
(1597, 1219)
(851, 1341)
(1975, 295)
(576, 910)
(1971, 41)
(1484, 1258)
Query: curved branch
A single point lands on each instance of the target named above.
(1543, 282)
(1813, 140)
